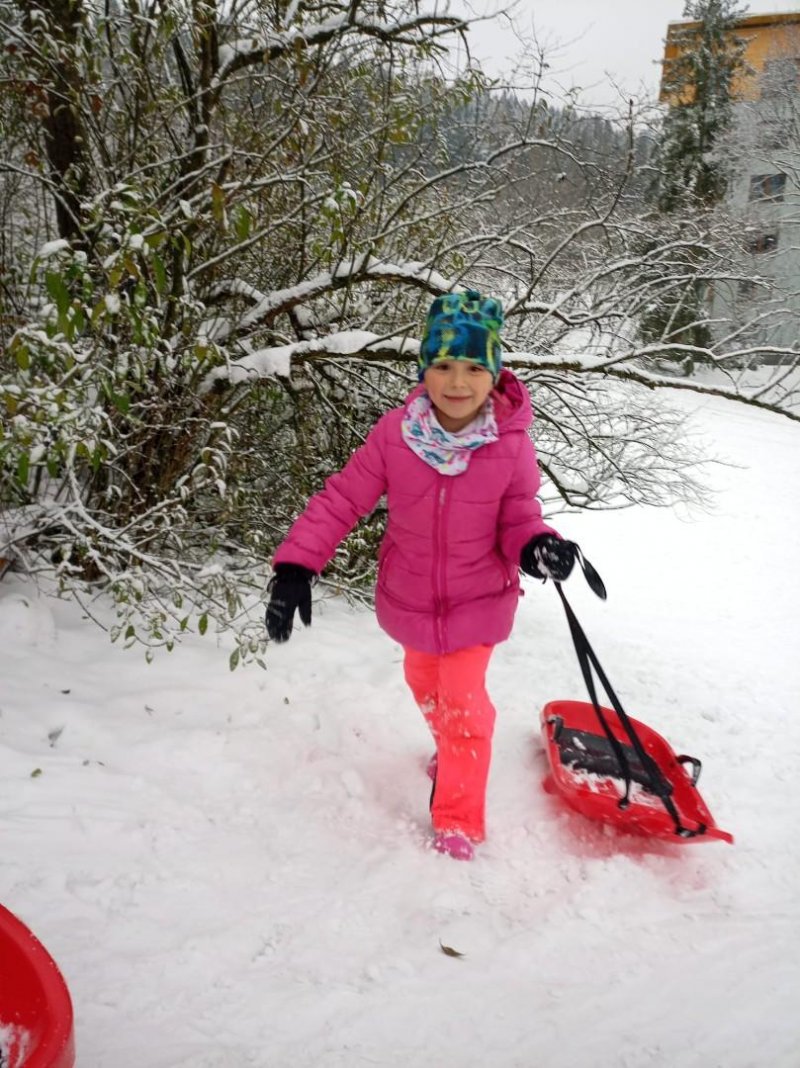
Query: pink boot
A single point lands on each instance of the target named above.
(454, 844)
(433, 765)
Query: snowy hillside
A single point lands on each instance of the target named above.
(231, 869)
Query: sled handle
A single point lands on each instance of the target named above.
(697, 766)
(557, 723)
(587, 659)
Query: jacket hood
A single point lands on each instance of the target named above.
(512, 403)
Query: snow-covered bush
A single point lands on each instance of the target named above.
(230, 228)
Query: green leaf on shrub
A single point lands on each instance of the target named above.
(121, 402)
(202, 623)
(160, 272)
(234, 660)
(218, 205)
(23, 467)
(23, 357)
(58, 291)
(243, 222)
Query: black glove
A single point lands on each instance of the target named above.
(290, 589)
(548, 557)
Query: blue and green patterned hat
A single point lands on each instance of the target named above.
(463, 326)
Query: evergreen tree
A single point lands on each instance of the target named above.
(705, 57)
(697, 84)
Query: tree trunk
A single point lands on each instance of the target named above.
(61, 86)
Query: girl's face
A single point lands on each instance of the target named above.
(458, 390)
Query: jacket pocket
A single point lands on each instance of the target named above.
(504, 569)
(387, 551)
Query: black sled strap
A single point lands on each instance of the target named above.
(656, 782)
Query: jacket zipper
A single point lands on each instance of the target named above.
(440, 563)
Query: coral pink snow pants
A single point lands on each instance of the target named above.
(451, 691)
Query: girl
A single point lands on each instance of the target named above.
(461, 477)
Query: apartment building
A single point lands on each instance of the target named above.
(762, 155)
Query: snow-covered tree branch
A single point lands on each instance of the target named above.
(222, 227)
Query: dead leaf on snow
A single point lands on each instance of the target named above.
(449, 951)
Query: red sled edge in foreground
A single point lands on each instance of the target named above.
(583, 771)
(36, 1020)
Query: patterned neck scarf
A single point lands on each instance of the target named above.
(448, 453)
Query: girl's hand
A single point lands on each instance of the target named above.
(548, 557)
(290, 589)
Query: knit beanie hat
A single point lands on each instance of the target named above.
(463, 326)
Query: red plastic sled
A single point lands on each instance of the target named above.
(36, 1029)
(585, 771)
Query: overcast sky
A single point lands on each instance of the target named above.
(594, 44)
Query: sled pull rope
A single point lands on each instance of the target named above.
(588, 661)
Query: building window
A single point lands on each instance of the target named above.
(763, 242)
(767, 186)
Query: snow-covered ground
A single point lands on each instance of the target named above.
(231, 869)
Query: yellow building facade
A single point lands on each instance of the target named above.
(770, 39)
(760, 302)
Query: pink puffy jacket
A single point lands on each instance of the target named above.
(448, 566)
